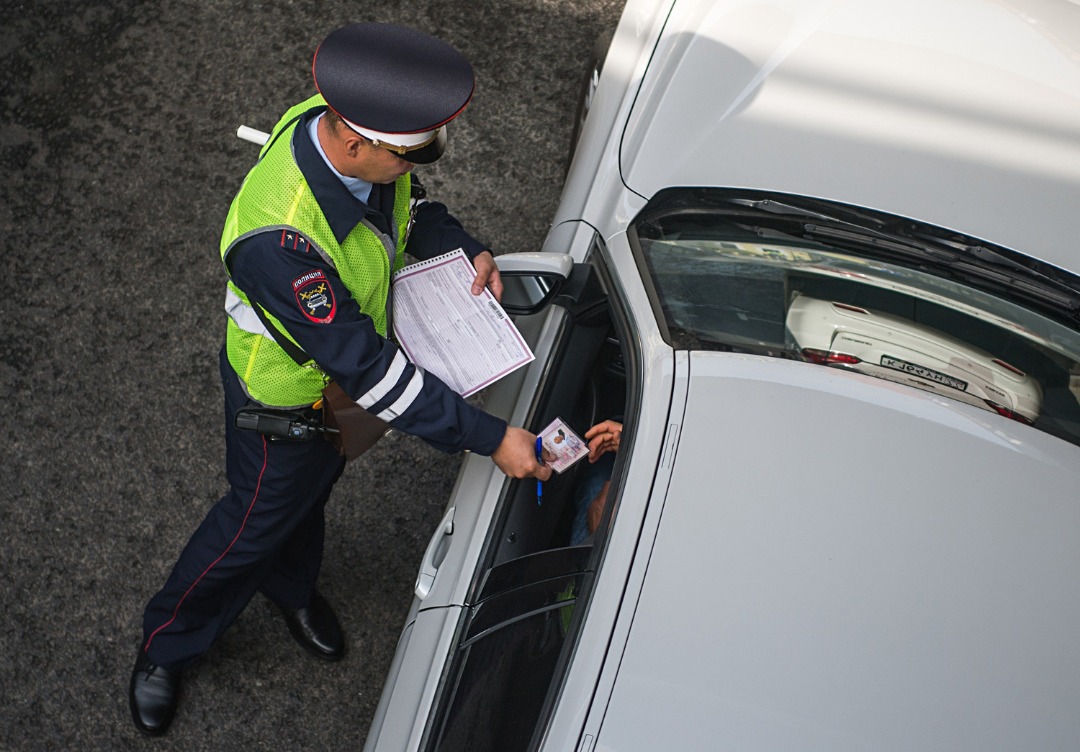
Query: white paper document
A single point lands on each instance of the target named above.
(466, 340)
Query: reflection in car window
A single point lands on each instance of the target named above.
(858, 290)
(506, 664)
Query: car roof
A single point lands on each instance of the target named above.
(908, 583)
(964, 115)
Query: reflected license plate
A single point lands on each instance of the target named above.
(923, 372)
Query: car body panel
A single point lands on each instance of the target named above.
(965, 118)
(817, 530)
(414, 681)
(594, 194)
(413, 678)
(433, 622)
(839, 601)
(653, 439)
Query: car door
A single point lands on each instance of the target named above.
(497, 586)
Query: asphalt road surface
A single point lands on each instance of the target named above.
(119, 160)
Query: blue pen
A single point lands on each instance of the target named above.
(540, 459)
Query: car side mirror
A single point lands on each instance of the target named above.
(532, 280)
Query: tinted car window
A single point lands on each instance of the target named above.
(786, 277)
(505, 666)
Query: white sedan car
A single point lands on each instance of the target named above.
(790, 556)
(896, 348)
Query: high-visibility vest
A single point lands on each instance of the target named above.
(275, 196)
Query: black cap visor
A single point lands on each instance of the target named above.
(429, 152)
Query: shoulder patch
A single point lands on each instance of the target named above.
(294, 241)
(315, 297)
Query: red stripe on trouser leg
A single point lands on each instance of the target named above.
(214, 563)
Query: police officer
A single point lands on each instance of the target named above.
(310, 242)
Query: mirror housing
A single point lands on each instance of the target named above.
(532, 280)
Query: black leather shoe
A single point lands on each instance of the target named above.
(316, 628)
(153, 694)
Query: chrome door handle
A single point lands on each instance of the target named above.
(434, 555)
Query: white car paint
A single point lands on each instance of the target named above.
(840, 599)
(803, 557)
(965, 115)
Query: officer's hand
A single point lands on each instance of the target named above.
(516, 455)
(487, 275)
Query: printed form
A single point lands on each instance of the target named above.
(466, 340)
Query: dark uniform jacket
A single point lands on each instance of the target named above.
(348, 348)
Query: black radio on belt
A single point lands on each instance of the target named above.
(281, 424)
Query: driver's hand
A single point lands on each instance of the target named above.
(604, 437)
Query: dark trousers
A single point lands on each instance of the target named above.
(265, 534)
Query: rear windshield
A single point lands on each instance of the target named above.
(786, 277)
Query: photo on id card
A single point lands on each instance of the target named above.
(567, 446)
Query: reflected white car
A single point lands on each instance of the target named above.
(893, 348)
(790, 556)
